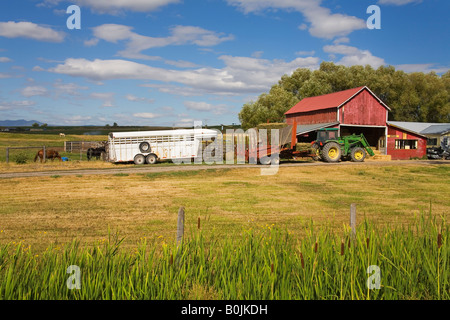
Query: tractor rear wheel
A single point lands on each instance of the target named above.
(358, 154)
(331, 152)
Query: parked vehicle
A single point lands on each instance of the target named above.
(149, 147)
(442, 152)
(331, 148)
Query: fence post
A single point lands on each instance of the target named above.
(7, 155)
(353, 219)
(180, 225)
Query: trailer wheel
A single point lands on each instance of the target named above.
(358, 154)
(151, 159)
(331, 152)
(139, 159)
(265, 161)
(270, 160)
(144, 147)
(275, 161)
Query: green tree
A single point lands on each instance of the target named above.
(411, 96)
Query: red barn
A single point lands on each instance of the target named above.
(357, 111)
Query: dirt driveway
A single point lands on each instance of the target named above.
(156, 168)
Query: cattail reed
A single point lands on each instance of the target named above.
(302, 261)
(439, 239)
(171, 259)
(342, 247)
(367, 242)
(315, 247)
(198, 223)
(271, 268)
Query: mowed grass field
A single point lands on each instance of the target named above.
(39, 212)
(15, 140)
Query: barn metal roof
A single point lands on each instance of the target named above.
(422, 128)
(328, 101)
(437, 129)
(302, 129)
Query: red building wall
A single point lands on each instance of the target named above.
(363, 109)
(405, 154)
(313, 117)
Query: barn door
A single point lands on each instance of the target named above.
(382, 145)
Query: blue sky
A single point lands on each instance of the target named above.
(173, 62)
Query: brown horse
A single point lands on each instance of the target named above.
(49, 154)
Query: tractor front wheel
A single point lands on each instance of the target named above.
(358, 154)
(331, 152)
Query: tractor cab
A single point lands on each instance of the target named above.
(326, 134)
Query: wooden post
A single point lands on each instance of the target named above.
(7, 155)
(353, 219)
(180, 225)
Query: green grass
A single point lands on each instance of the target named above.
(38, 140)
(262, 264)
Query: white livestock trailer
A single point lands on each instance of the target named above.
(152, 146)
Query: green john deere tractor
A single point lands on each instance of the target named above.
(331, 148)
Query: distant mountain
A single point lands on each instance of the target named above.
(18, 123)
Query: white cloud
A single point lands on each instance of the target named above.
(30, 30)
(32, 91)
(181, 63)
(323, 23)
(306, 53)
(133, 98)
(398, 2)
(136, 43)
(257, 54)
(22, 104)
(38, 69)
(146, 115)
(354, 56)
(106, 97)
(185, 122)
(425, 68)
(70, 119)
(91, 42)
(240, 74)
(5, 59)
(341, 40)
(116, 6)
(206, 107)
(71, 89)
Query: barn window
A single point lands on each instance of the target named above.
(432, 141)
(405, 144)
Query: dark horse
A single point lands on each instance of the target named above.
(49, 154)
(95, 152)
